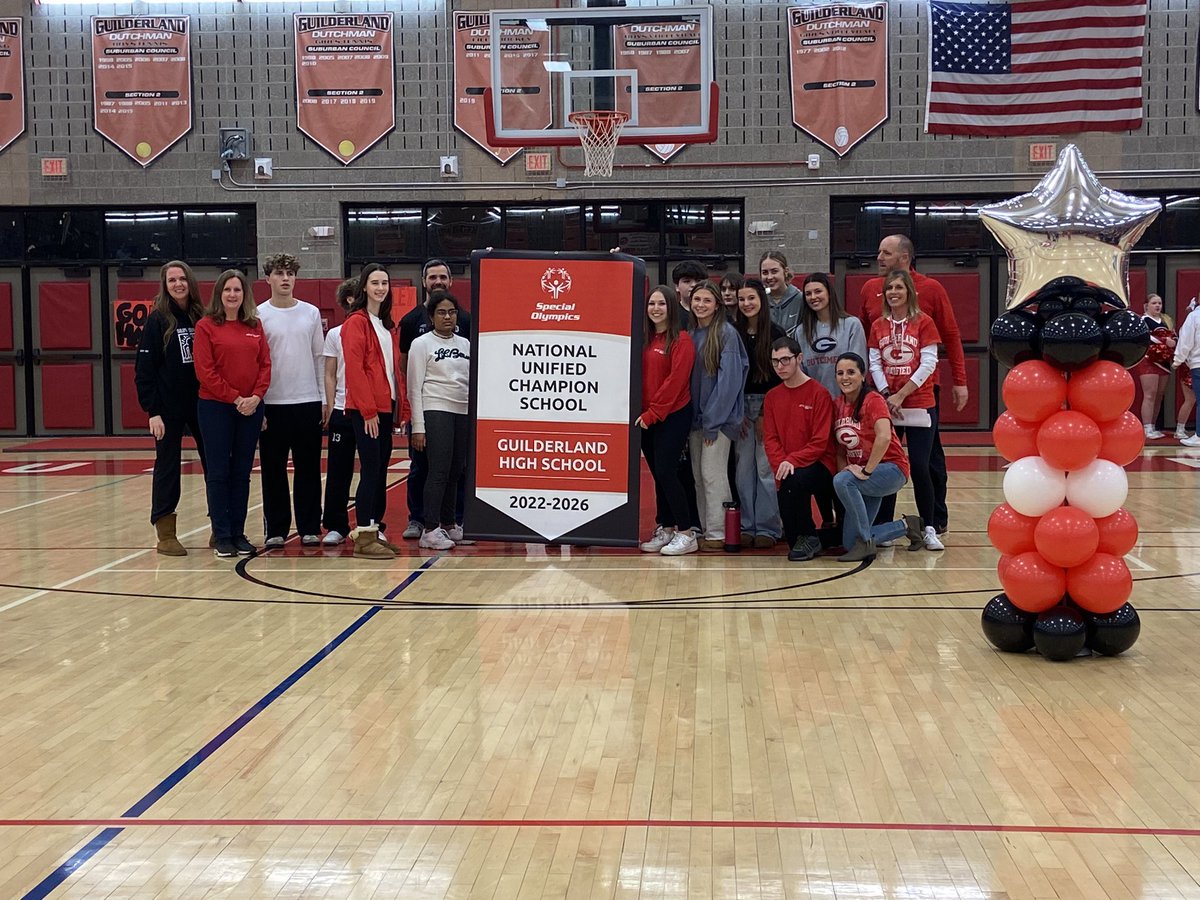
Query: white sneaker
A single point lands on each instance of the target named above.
(412, 530)
(662, 537)
(931, 539)
(333, 538)
(1180, 433)
(435, 540)
(273, 543)
(456, 535)
(1193, 441)
(1153, 434)
(683, 542)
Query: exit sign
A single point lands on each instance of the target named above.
(537, 163)
(1043, 153)
(54, 167)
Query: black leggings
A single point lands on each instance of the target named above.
(446, 435)
(796, 494)
(374, 457)
(164, 493)
(662, 444)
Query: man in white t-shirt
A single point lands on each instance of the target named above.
(295, 408)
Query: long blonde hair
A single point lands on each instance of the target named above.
(901, 275)
(710, 353)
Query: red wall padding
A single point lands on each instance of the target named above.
(8, 397)
(972, 413)
(6, 317)
(67, 400)
(65, 315)
(132, 414)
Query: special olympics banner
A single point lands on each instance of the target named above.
(839, 71)
(142, 82)
(12, 82)
(666, 57)
(345, 81)
(555, 386)
(527, 94)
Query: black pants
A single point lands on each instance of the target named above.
(662, 445)
(937, 467)
(374, 457)
(418, 472)
(339, 473)
(229, 439)
(446, 436)
(293, 428)
(164, 494)
(920, 450)
(796, 494)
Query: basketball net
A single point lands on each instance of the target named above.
(599, 130)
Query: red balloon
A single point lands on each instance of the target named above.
(1033, 584)
(1101, 585)
(1103, 391)
(1009, 531)
(1004, 562)
(1066, 536)
(1122, 439)
(1014, 439)
(1068, 440)
(1118, 532)
(1033, 390)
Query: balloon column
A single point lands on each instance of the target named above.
(1069, 337)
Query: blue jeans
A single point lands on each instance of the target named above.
(229, 442)
(862, 499)
(755, 478)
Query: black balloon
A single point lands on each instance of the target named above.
(1089, 304)
(1051, 305)
(1114, 633)
(1006, 627)
(1126, 338)
(1014, 338)
(1071, 341)
(1060, 633)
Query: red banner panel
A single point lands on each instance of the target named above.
(12, 82)
(67, 400)
(6, 317)
(973, 411)
(345, 81)
(64, 310)
(8, 397)
(142, 82)
(667, 59)
(526, 96)
(839, 71)
(963, 290)
(132, 414)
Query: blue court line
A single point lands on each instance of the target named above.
(105, 837)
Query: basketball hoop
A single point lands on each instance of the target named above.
(599, 131)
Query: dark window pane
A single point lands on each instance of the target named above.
(688, 217)
(55, 234)
(454, 231)
(948, 226)
(146, 235)
(384, 234)
(632, 226)
(220, 235)
(10, 236)
(543, 228)
(728, 230)
(1177, 224)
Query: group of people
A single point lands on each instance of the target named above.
(1169, 350)
(809, 402)
(242, 376)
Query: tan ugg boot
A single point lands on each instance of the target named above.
(366, 543)
(168, 544)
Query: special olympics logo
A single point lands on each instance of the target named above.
(847, 436)
(556, 282)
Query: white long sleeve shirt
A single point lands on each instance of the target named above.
(439, 376)
(1187, 347)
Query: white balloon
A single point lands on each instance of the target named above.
(1099, 488)
(1033, 488)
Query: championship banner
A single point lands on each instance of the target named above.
(838, 60)
(526, 89)
(142, 82)
(12, 82)
(666, 57)
(345, 81)
(555, 387)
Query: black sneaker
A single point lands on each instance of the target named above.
(806, 548)
(225, 548)
(243, 546)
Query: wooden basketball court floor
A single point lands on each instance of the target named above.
(524, 721)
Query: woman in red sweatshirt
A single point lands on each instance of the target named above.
(233, 365)
(666, 419)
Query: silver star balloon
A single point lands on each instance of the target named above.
(1070, 224)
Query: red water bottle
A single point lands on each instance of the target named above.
(733, 528)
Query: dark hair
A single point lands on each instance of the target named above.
(808, 319)
(735, 280)
(433, 264)
(247, 314)
(360, 295)
(674, 320)
(345, 293)
(165, 305)
(284, 261)
(760, 342)
(689, 268)
(867, 387)
(787, 343)
(435, 298)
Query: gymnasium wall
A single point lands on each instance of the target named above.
(243, 77)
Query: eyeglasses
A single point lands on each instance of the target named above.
(778, 361)
(448, 313)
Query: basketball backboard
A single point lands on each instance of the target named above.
(653, 63)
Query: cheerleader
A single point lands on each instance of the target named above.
(1152, 371)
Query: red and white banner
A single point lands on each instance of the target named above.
(345, 81)
(12, 82)
(838, 55)
(667, 59)
(142, 82)
(526, 87)
(554, 384)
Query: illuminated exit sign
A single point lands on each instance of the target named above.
(54, 167)
(1043, 153)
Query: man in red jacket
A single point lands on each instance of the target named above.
(896, 251)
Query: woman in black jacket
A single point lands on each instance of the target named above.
(167, 389)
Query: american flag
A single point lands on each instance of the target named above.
(1035, 66)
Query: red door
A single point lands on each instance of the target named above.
(13, 357)
(67, 351)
